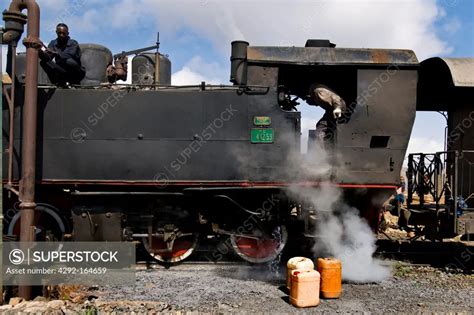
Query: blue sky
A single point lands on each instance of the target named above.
(197, 34)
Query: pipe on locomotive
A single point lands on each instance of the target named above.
(238, 62)
(157, 60)
(14, 24)
(10, 98)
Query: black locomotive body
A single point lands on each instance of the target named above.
(166, 164)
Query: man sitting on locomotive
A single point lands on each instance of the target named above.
(62, 59)
(333, 105)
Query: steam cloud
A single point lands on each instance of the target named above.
(340, 231)
(345, 235)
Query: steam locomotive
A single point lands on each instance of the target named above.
(168, 165)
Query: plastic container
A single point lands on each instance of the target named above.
(302, 263)
(304, 290)
(331, 277)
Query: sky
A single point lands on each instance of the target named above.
(196, 34)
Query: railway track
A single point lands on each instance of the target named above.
(450, 255)
(454, 255)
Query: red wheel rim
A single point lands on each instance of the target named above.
(253, 248)
(259, 250)
(183, 247)
(180, 247)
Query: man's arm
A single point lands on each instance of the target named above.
(339, 106)
(325, 95)
(51, 51)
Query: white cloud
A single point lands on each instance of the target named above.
(53, 5)
(196, 71)
(452, 26)
(425, 145)
(126, 9)
(370, 23)
(186, 76)
(84, 23)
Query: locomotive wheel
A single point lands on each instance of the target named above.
(261, 247)
(49, 224)
(182, 247)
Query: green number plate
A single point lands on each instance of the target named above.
(262, 121)
(258, 135)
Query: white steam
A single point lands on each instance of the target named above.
(343, 234)
(349, 238)
(340, 231)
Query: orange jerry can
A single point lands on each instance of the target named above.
(297, 263)
(331, 277)
(304, 290)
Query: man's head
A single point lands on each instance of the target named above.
(62, 31)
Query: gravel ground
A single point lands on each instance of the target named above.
(238, 288)
(241, 288)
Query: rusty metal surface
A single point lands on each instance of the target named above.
(30, 114)
(460, 69)
(324, 55)
(27, 191)
(97, 225)
(465, 224)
